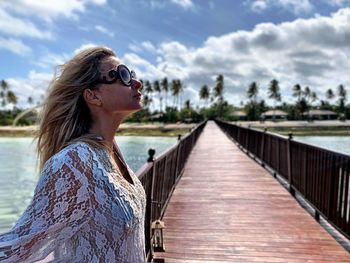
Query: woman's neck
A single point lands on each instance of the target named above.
(106, 128)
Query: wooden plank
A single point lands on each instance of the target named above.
(227, 208)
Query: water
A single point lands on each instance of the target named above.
(18, 173)
(335, 143)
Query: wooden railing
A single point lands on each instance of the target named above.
(321, 176)
(160, 175)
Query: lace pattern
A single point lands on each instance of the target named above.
(83, 210)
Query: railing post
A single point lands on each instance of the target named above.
(151, 153)
(289, 162)
(247, 139)
(263, 148)
(317, 216)
(177, 158)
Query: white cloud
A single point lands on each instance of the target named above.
(145, 46)
(35, 85)
(312, 52)
(295, 6)
(10, 25)
(258, 6)
(51, 60)
(186, 4)
(48, 10)
(337, 2)
(14, 45)
(104, 30)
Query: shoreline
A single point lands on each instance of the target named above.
(302, 128)
(125, 129)
(298, 128)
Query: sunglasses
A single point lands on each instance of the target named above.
(121, 72)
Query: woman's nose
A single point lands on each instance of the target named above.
(136, 84)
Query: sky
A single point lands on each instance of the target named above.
(294, 41)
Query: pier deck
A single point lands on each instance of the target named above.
(227, 208)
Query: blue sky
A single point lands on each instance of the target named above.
(294, 41)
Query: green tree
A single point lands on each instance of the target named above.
(307, 93)
(342, 94)
(165, 88)
(274, 93)
(219, 86)
(147, 101)
(253, 90)
(313, 96)
(204, 93)
(252, 107)
(330, 94)
(218, 92)
(297, 92)
(3, 92)
(149, 91)
(175, 89)
(30, 100)
(11, 97)
(156, 88)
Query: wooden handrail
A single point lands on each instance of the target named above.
(319, 175)
(160, 176)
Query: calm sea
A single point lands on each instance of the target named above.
(335, 143)
(18, 173)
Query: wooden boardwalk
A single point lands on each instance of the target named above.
(227, 208)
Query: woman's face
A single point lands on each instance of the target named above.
(117, 97)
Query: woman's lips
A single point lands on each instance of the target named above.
(138, 96)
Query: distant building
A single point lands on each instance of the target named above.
(321, 115)
(274, 115)
(240, 115)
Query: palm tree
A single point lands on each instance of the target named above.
(307, 92)
(181, 91)
(149, 90)
(219, 86)
(175, 88)
(30, 100)
(11, 97)
(165, 87)
(187, 104)
(204, 93)
(253, 91)
(274, 93)
(147, 100)
(252, 106)
(330, 94)
(342, 94)
(313, 96)
(297, 91)
(4, 87)
(156, 88)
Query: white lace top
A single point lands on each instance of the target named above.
(83, 210)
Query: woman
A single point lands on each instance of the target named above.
(88, 205)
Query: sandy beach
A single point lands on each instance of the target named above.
(124, 129)
(325, 123)
(161, 129)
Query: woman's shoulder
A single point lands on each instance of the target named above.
(75, 153)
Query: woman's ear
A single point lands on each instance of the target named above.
(91, 97)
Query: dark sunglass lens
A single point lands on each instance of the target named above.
(125, 75)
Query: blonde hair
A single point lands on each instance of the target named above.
(65, 117)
